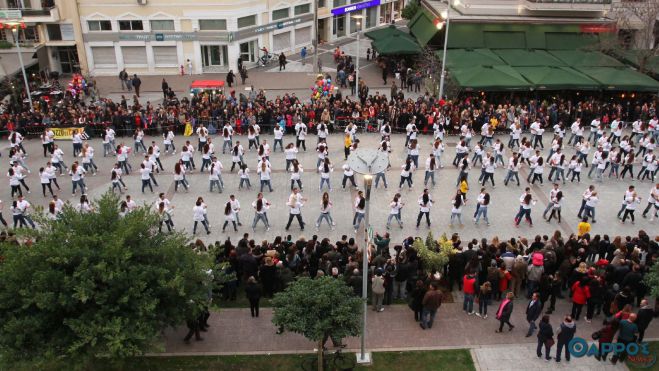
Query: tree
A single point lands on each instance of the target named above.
(410, 9)
(97, 285)
(434, 254)
(317, 309)
(652, 280)
(430, 64)
(638, 22)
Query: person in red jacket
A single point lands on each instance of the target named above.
(469, 290)
(580, 295)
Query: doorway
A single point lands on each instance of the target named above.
(214, 57)
(68, 59)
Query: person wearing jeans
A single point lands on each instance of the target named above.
(533, 310)
(432, 300)
(565, 334)
(469, 290)
(377, 288)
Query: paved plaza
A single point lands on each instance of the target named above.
(504, 199)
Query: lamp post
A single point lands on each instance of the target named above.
(367, 162)
(447, 17)
(359, 29)
(14, 30)
(315, 40)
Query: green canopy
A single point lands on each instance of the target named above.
(620, 78)
(633, 57)
(528, 58)
(490, 78)
(557, 78)
(470, 58)
(422, 26)
(383, 33)
(583, 58)
(397, 45)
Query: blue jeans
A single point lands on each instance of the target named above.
(265, 182)
(379, 176)
(263, 217)
(468, 303)
(429, 175)
(590, 212)
(324, 180)
(325, 216)
(356, 221)
(482, 211)
(427, 317)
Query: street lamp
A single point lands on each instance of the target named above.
(358, 17)
(366, 162)
(14, 30)
(315, 40)
(447, 16)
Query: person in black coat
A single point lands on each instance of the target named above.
(230, 77)
(643, 318)
(565, 334)
(253, 293)
(268, 277)
(545, 337)
(504, 312)
(416, 304)
(533, 310)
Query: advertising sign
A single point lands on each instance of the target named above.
(355, 7)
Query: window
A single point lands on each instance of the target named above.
(248, 51)
(321, 3)
(338, 3)
(54, 33)
(130, 25)
(250, 20)
(280, 14)
(99, 25)
(212, 24)
(28, 35)
(162, 25)
(104, 56)
(135, 55)
(303, 36)
(302, 9)
(165, 55)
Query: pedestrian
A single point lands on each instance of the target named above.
(533, 310)
(482, 204)
(193, 328)
(136, 82)
(395, 207)
(229, 216)
(295, 203)
(303, 55)
(545, 338)
(580, 295)
(564, 335)
(230, 78)
(348, 175)
(504, 312)
(583, 227)
(123, 77)
(199, 216)
(416, 304)
(164, 86)
(644, 316)
(425, 203)
(456, 210)
(325, 208)
(469, 291)
(360, 210)
(377, 288)
(484, 298)
(605, 337)
(526, 202)
(253, 292)
(282, 61)
(325, 171)
(432, 300)
(261, 206)
(243, 74)
(627, 333)
(556, 204)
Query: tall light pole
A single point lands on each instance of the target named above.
(447, 17)
(14, 30)
(359, 30)
(367, 162)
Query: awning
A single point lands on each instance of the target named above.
(397, 44)
(10, 65)
(207, 84)
(382, 33)
(635, 57)
(470, 58)
(60, 43)
(557, 78)
(583, 58)
(528, 58)
(489, 78)
(622, 78)
(422, 26)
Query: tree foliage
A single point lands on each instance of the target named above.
(638, 22)
(97, 284)
(434, 254)
(316, 308)
(652, 280)
(410, 9)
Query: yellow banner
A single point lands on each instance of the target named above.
(64, 133)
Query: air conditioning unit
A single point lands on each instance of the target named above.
(142, 2)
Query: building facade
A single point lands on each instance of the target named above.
(49, 38)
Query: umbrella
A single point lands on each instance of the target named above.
(397, 45)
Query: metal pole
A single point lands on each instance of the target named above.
(441, 78)
(20, 59)
(368, 181)
(315, 40)
(359, 26)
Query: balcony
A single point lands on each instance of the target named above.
(568, 5)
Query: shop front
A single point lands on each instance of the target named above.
(348, 18)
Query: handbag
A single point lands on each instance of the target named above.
(596, 335)
(549, 342)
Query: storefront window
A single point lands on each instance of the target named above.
(249, 51)
(340, 26)
(354, 21)
(338, 3)
(214, 55)
(371, 17)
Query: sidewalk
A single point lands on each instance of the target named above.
(234, 331)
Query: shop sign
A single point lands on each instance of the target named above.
(248, 32)
(159, 37)
(10, 14)
(355, 7)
